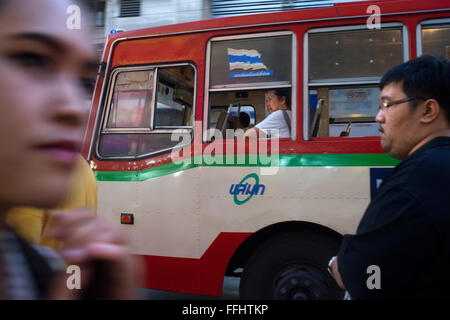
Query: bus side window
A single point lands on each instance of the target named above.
(435, 38)
(344, 69)
(242, 68)
(145, 109)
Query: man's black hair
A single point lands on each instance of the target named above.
(427, 77)
(244, 118)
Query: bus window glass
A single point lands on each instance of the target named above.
(353, 103)
(249, 110)
(227, 109)
(344, 67)
(355, 106)
(136, 144)
(242, 69)
(338, 110)
(235, 114)
(356, 54)
(129, 131)
(175, 96)
(131, 99)
(251, 61)
(436, 41)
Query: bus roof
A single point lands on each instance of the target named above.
(337, 10)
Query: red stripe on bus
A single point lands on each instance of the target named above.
(185, 275)
(332, 145)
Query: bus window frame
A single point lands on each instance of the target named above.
(427, 22)
(265, 85)
(104, 130)
(355, 81)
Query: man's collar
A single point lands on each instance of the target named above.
(435, 142)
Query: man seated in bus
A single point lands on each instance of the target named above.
(278, 122)
(243, 121)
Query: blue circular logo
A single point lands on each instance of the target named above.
(251, 175)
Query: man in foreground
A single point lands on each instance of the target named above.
(401, 249)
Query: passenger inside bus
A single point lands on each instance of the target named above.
(228, 110)
(278, 122)
(243, 121)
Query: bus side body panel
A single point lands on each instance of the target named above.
(190, 218)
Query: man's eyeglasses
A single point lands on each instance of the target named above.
(384, 105)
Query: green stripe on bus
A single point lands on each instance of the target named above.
(297, 160)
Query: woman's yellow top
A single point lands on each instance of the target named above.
(30, 223)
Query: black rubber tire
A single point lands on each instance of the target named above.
(291, 266)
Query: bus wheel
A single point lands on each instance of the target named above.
(291, 267)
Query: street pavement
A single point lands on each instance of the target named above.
(230, 292)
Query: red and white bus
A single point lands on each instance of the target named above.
(216, 213)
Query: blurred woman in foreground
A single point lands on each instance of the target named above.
(44, 64)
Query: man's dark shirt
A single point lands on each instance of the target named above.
(405, 231)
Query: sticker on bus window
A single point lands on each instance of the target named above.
(357, 95)
(249, 61)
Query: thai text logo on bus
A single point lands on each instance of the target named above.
(244, 191)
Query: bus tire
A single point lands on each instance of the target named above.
(291, 267)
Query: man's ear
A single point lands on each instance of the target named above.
(430, 111)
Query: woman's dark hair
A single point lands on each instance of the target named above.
(284, 92)
(427, 77)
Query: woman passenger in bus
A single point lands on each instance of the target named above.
(278, 122)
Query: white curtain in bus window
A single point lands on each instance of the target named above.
(251, 61)
(175, 97)
(358, 105)
(353, 102)
(436, 41)
(353, 55)
(132, 97)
